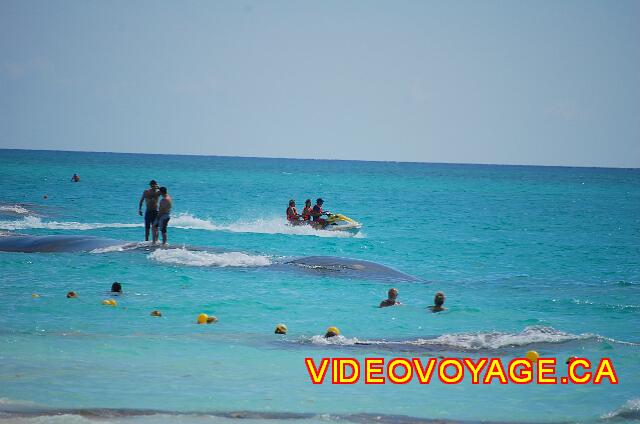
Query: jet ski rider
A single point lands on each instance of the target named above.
(306, 212)
(317, 212)
(292, 213)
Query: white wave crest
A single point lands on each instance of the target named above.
(185, 221)
(198, 258)
(336, 340)
(497, 340)
(629, 411)
(121, 247)
(190, 222)
(470, 341)
(17, 209)
(33, 222)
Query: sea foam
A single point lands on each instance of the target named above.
(478, 341)
(182, 256)
(34, 222)
(16, 209)
(629, 411)
(183, 221)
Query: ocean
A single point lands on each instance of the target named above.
(529, 258)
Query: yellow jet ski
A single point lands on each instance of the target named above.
(338, 222)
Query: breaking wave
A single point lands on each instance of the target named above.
(183, 256)
(33, 222)
(122, 247)
(14, 209)
(472, 341)
(497, 340)
(190, 222)
(629, 411)
(337, 340)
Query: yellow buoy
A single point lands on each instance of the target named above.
(212, 319)
(110, 302)
(202, 318)
(532, 355)
(156, 313)
(281, 329)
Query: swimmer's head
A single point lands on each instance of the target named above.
(116, 287)
(438, 300)
(292, 202)
(72, 295)
(570, 359)
(332, 332)
(163, 190)
(156, 313)
(393, 293)
(319, 201)
(281, 329)
(307, 202)
(153, 184)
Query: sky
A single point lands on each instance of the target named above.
(511, 82)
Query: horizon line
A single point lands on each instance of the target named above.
(323, 159)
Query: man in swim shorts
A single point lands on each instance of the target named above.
(391, 301)
(150, 196)
(163, 216)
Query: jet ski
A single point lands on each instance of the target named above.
(338, 222)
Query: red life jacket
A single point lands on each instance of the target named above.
(291, 215)
(306, 213)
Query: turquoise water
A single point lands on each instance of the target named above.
(529, 258)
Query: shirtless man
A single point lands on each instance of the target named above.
(151, 197)
(163, 216)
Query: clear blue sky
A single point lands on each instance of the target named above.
(539, 82)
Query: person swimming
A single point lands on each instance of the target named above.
(116, 287)
(75, 178)
(391, 300)
(332, 332)
(438, 301)
(306, 212)
(292, 213)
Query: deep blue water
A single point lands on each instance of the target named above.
(542, 258)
